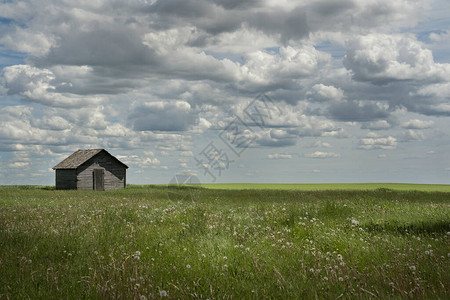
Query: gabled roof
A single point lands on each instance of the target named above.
(79, 157)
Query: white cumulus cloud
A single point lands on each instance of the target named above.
(382, 58)
(378, 143)
(279, 156)
(320, 154)
(417, 124)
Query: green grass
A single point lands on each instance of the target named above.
(332, 186)
(153, 242)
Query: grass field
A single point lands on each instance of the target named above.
(333, 186)
(148, 242)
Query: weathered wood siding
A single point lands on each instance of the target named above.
(115, 173)
(66, 179)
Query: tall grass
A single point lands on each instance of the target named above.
(141, 243)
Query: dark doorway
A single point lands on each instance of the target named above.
(99, 179)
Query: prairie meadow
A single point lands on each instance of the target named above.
(151, 242)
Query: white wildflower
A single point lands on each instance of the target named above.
(163, 293)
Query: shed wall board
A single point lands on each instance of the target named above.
(114, 177)
(66, 179)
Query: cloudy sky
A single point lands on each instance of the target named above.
(230, 90)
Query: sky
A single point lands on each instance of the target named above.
(228, 90)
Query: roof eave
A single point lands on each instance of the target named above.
(86, 160)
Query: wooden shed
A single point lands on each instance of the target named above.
(92, 169)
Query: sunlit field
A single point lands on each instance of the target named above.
(333, 186)
(147, 242)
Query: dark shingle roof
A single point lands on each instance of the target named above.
(79, 157)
